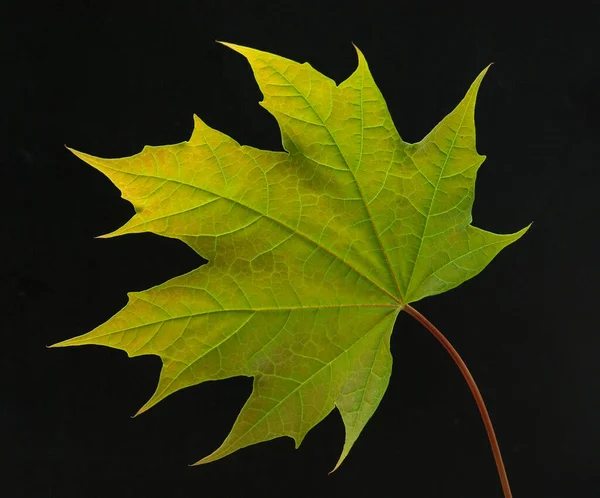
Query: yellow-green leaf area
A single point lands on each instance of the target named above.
(312, 252)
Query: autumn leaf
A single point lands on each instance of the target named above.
(313, 252)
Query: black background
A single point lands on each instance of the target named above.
(108, 79)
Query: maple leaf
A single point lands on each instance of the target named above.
(312, 252)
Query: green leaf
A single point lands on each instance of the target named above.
(312, 252)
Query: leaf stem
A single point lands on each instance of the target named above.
(474, 390)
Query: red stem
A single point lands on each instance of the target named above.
(474, 390)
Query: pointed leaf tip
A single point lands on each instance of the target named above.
(482, 73)
(202, 461)
(60, 344)
(109, 235)
(221, 42)
(144, 408)
(337, 466)
(358, 52)
(63, 344)
(138, 413)
(340, 461)
(233, 46)
(72, 150)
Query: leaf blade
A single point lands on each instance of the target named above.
(312, 252)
